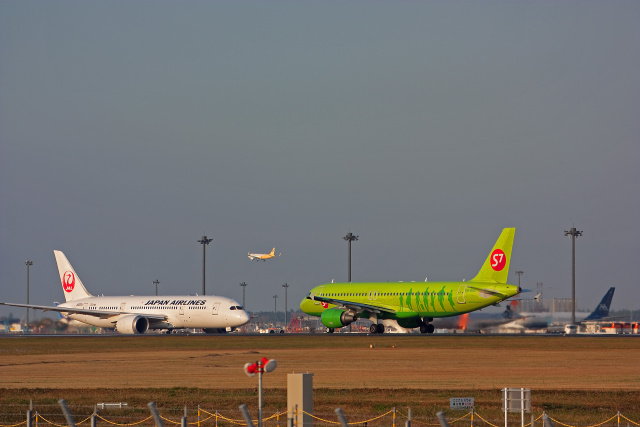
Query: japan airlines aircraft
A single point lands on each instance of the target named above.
(138, 314)
(414, 304)
(263, 257)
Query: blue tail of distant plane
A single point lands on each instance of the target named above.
(602, 310)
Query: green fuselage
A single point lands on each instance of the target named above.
(405, 300)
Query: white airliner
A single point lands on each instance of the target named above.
(263, 257)
(138, 314)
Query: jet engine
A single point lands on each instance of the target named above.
(132, 324)
(337, 318)
(409, 323)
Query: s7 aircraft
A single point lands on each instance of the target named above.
(263, 257)
(137, 314)
(414, 304)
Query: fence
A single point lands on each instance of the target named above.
(51, 415)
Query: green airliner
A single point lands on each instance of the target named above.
(414, 304)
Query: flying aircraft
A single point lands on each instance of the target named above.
(545, 320)
(414, 304)
(263, 257)
(138, 314)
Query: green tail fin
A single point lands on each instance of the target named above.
(496, 267)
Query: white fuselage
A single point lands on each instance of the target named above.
(543, 320)
(180, 311)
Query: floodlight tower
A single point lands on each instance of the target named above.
(28, 263)
(244, 287)
(519, 273)
(573, 233)
(285, 286)
(275, 310)
(204, 242)
(156, 282)
(350, 238)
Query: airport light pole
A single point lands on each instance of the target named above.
(244, 287)
(275, 310)
(204, 242)
(519, 273)
(156, 282)
(28, 263)
(285, 286)
(573, 233)
(350, 238)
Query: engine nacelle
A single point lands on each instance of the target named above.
(409, 323)
(132, 324)
(336, 318)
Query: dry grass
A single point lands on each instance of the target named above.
(574, 378)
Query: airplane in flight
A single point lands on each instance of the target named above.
(263, 257)
(138, 314)
(414, 304)
(546, 320)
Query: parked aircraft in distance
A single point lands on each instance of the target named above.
(545, 320)
(414, 304)
(138, 314)
(263, 257)
(477, 321)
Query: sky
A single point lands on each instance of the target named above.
(128, 130)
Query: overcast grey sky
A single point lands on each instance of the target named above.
(130, 129)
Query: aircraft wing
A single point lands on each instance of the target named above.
(97, 313)
(352, 305)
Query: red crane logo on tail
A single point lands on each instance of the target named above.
(68, 281)
(498, 260)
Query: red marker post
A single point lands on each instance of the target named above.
(261, 366)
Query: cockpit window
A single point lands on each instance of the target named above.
(239, 307)
(233, 307)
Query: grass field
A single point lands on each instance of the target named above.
(577, 380)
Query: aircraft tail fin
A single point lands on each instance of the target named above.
(602, 310)
(273, 251)
(496, 267)
(71, 283)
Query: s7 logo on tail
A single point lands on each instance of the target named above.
(68, 281)
(498, 260)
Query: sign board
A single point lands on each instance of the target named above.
(516, 400)
(461, 403)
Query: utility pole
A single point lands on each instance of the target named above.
(275, 310)
(244, 286)
(285, 286)
(204, 242)
(28, 263)
(573, 233)
(350, 238)
(156, 282)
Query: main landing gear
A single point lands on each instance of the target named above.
(376, 328)
(426, 327)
